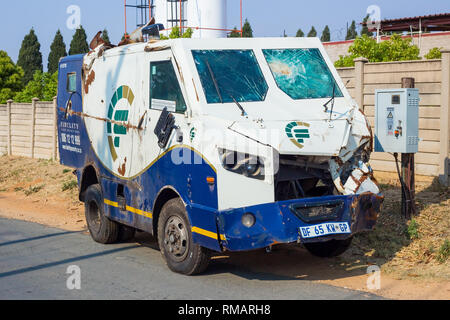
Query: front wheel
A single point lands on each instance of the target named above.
(332, 248)
(182, 255)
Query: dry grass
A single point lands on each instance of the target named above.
(416, 248)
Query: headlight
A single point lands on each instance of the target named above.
(241, 163)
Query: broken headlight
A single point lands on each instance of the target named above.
(242, 163)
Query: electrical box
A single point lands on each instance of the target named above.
(397, 120)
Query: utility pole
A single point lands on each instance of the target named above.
(408, 171)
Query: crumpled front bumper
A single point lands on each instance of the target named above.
(279, 222)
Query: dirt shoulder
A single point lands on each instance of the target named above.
(412, 255)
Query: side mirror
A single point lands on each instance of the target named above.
(164, 128)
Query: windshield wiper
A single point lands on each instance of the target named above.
(216, 85)
(214, 81)
(331, 100)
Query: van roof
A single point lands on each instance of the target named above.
(218, 43)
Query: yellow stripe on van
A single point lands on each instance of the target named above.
(207, 233)
(129, 209)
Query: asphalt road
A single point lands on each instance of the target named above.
(34, 260)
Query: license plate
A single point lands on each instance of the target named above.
(324, 229)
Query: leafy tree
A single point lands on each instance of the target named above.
(30, 56)
(312, 33)
(326, 35)
(175, 34)
(247, 31)
(235, 33)
(434, 53)
(365, 28)
(105, 36)
(10, 78)
(57, 51)
(394, 49)
(300, 33)
(79, 42)
(351, 32)
(43, 86)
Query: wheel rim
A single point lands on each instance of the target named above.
(176, 239)
(94, 216)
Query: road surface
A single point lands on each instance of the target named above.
(34, 261)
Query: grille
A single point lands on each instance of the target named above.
(317, 212)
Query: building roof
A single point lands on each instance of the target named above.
(435, 22)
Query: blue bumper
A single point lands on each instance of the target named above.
(280, 222)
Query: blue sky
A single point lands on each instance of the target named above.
(268, 18)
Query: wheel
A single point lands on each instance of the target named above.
(126, 233)
(102, 229)
(175, 241)
(332, 248)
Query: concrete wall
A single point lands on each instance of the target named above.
(29, 129)
(426, 42)
(433, 80)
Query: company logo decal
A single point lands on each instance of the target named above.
(298, 132)
(119, 109)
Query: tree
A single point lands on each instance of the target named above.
(105, 36)
(10, 78)
(57, 51)
(235, 33)
(247, 31)
(30, 56)
(312, 33)
(394, 49)
(300, 33)
(351, 32)
(43, 86)
(175, 34)
(79, 42)
(326, 35)
(365, 28)
(434, 53)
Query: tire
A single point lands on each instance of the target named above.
(126, 233)
(179, 251)
(332, 248)
(102, 229)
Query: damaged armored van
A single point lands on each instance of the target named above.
(217, 145)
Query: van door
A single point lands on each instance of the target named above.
(165, 92)
(71, 129)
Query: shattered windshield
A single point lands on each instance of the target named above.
(302, 73)
(230, 75)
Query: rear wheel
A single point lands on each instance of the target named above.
(182, 255)
(101, 228)
(332, 248)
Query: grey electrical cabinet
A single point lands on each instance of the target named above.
(397, 120)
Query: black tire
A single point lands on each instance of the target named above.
(175, 241)
(126, 233)
(102, 229)
(332, 248)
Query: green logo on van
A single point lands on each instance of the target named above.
(298, 132)
(115, 131)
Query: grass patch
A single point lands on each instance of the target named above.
(413, 230)
(444, 252)
(66, 171)
(34, 189)
(69, 185)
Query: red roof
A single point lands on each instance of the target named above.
(435, 22)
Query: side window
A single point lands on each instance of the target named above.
(72, 82)
(165, 91)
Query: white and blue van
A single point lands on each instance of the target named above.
(217, 145)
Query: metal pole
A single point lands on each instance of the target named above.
(242, 26)
(408, 171)
(125, 9)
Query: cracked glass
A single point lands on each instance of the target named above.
(302, 73)
(230, 75)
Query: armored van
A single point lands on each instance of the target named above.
(217, 145)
